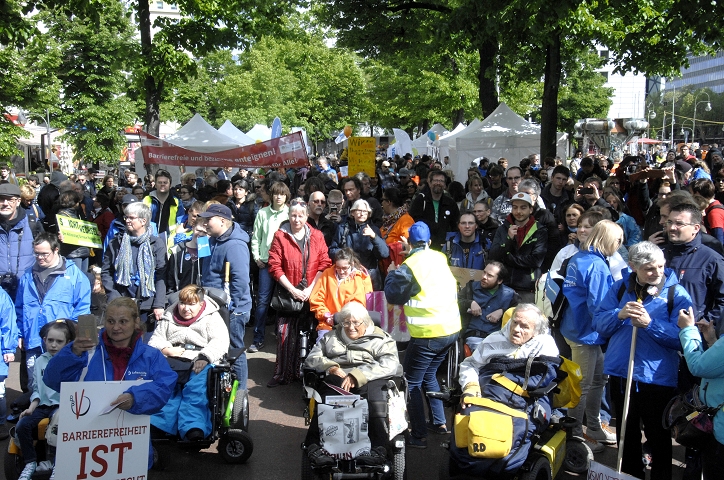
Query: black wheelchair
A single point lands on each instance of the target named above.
(228, 403)
(393, 468)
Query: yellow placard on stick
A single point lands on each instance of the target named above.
(361, 155)
(79, 232)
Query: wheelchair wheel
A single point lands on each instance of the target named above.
(13, 465)
(578, 457)
(539, 470)
(240, 411)
(399, 469)
(236, 446)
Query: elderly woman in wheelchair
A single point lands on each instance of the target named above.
(192, 335)
(505, 400)
(360, 358)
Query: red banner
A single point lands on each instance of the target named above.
(287, 151)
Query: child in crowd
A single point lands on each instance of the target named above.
(44, 401)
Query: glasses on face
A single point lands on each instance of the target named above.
(344, 269)
(42, 254)
(130, 218)
(301, 203)
(319, 201)
(354, 324)
(8, 199)
(183, 192)
(678, 225)
(513, 179)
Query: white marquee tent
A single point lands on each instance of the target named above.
(260, 132)
(503, 133)
(235, 134)
(423, 145)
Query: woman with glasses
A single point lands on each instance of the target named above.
(343, 282)
(185, 194)
(266, 224)
(359, 358)
(297, 258)
(395, 220)
(243, 206)
(364, 239)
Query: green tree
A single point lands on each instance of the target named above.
(91, 57)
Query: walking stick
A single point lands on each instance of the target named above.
(626, 398)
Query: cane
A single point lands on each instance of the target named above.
(629, 381)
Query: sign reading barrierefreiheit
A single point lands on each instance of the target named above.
(96, 440)
(79, 232)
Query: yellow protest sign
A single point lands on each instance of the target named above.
(361, 155)
(79, 232)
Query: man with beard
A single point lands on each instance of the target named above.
(485, 302)
(521, 244)
(465, 248)
(438, 211)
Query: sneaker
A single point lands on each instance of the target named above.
(375, 457)
(604, 435)
(52, 475)
(593, 444)
(28, 471)
(4, 432)
(254, 348)
(318, 457)
(194, 435)
(439, 429)
(414, 442)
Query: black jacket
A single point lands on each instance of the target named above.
(524, 262)
(423, 210)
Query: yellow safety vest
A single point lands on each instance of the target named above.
(434, 311)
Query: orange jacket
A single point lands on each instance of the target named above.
(329, 296)
(398, 230)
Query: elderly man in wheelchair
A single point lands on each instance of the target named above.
(506, 388)
(359, 358)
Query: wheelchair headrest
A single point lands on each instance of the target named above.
(375, 316)
(218, 295)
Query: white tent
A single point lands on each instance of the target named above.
(199, 136)
(503, 133)
(260, 132)
(447, 142)
(235, 134)
(423, 145)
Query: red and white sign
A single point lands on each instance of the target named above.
(287, 151)
(96, 441)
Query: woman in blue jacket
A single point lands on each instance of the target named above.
(709, 365)
(649, 298)
(118, 354)
(588, 279)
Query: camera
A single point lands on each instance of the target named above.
(9, 282)
(586, 191)
(333, 209)
(631, 168)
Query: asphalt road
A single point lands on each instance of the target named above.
(277, 428)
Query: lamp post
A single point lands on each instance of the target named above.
(673, 116)
(650, 116)
(707, 108)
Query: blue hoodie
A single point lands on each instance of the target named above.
(587, 281)
(232, 246)
(456, 255)
(8, 330)
(656, 360)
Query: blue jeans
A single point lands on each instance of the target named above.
(24, 430)
(237, 323)
(263, 299)
(422, 359)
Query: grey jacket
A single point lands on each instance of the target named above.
(370, 357)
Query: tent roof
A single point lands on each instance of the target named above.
(235, 134)
(504, 122)
(450, 137)
(422, 140)
(260, 132)
(199, 136)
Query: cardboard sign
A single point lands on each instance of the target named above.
(79, 232)
(602, 472)
(97, 441)
(464, 275)
(287, 151)
(361, 155)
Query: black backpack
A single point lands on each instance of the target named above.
(554, 292)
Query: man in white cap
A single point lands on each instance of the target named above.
(520, 243)
(386, 176)
(229, 245)
(428, 290)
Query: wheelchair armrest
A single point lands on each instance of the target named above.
(233, 354)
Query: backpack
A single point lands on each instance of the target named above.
(554, 294)
(669, 296)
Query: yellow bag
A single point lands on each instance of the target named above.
(570, 388)
(486, 433)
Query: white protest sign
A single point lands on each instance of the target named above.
(96, 441)
(602, 472)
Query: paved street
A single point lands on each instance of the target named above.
(277, 427)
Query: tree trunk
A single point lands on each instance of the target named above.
(486, 76)
(457, 117)
(549, 109)
(151, 118)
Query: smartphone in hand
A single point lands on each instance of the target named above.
(87, 327)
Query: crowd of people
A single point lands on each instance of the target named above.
(290, 245)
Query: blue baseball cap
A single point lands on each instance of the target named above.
(419, 232)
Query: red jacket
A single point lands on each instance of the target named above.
(285, 257)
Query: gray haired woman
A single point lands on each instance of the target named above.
(134, 264)
(364, 239)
